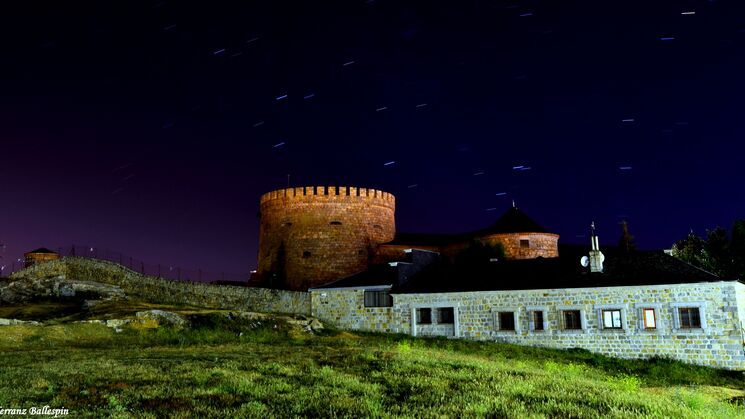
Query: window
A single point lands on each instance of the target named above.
(690, 318)
(572, 319)
(537, 317)
(306, 254)
(612, 319)
(506, 320)
(378, 299)
(424, 316)
(335, 223)
(524, 243)
(446, 315)
(649, 318)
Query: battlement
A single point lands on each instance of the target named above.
(331, 192)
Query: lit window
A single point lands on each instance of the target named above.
(650, 319)
(690, 318)
(424, 316)
(572, 320)
(506, 320)
(446, 315)
(612, 319)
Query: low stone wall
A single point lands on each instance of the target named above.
(172, 292)
(718, 343)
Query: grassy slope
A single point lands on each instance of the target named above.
(273, 371)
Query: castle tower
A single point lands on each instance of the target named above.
(521, 237)
(39, 256)
(313, 235)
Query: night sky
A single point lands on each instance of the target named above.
(153, 127)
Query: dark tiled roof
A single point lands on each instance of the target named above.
(638, 268)
(427, 239)
(620, 269)
(383, 274)
(42, 250)
(512, 221)
(515, 221)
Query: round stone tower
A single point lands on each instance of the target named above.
(313, 235)
(521, 237)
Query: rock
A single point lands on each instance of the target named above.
(66, 291)
(13, 322)
(164, 317)
(117, 323)
(315, 325)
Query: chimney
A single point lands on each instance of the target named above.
(596, 256)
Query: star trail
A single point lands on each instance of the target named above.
(153, 128)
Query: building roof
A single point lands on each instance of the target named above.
(41, 250)
(620, 269)
(512, 221)
(426, 239)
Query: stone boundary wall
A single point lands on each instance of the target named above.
(159, 290)
(718, 344)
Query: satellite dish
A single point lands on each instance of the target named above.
(585, 261)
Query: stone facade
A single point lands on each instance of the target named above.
(718, 342)
(160, 290)
(525, 245)
(310, 236)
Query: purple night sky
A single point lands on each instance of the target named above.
(153, 127)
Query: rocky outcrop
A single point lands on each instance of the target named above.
(13, 322)
(163, 291)
(163, 317)
(30, 289)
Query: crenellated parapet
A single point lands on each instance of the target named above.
(331, 193)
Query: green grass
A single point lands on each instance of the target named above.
(272, 370)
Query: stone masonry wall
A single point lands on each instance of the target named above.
(346, 309)
(539, 244)
(719, 343)
(160, 290)
(315, 235)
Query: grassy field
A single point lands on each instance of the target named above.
(248, 368)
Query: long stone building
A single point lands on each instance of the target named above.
(532, 292)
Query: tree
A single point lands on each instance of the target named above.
(691, 250)
(720, 254)
(626, 242)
